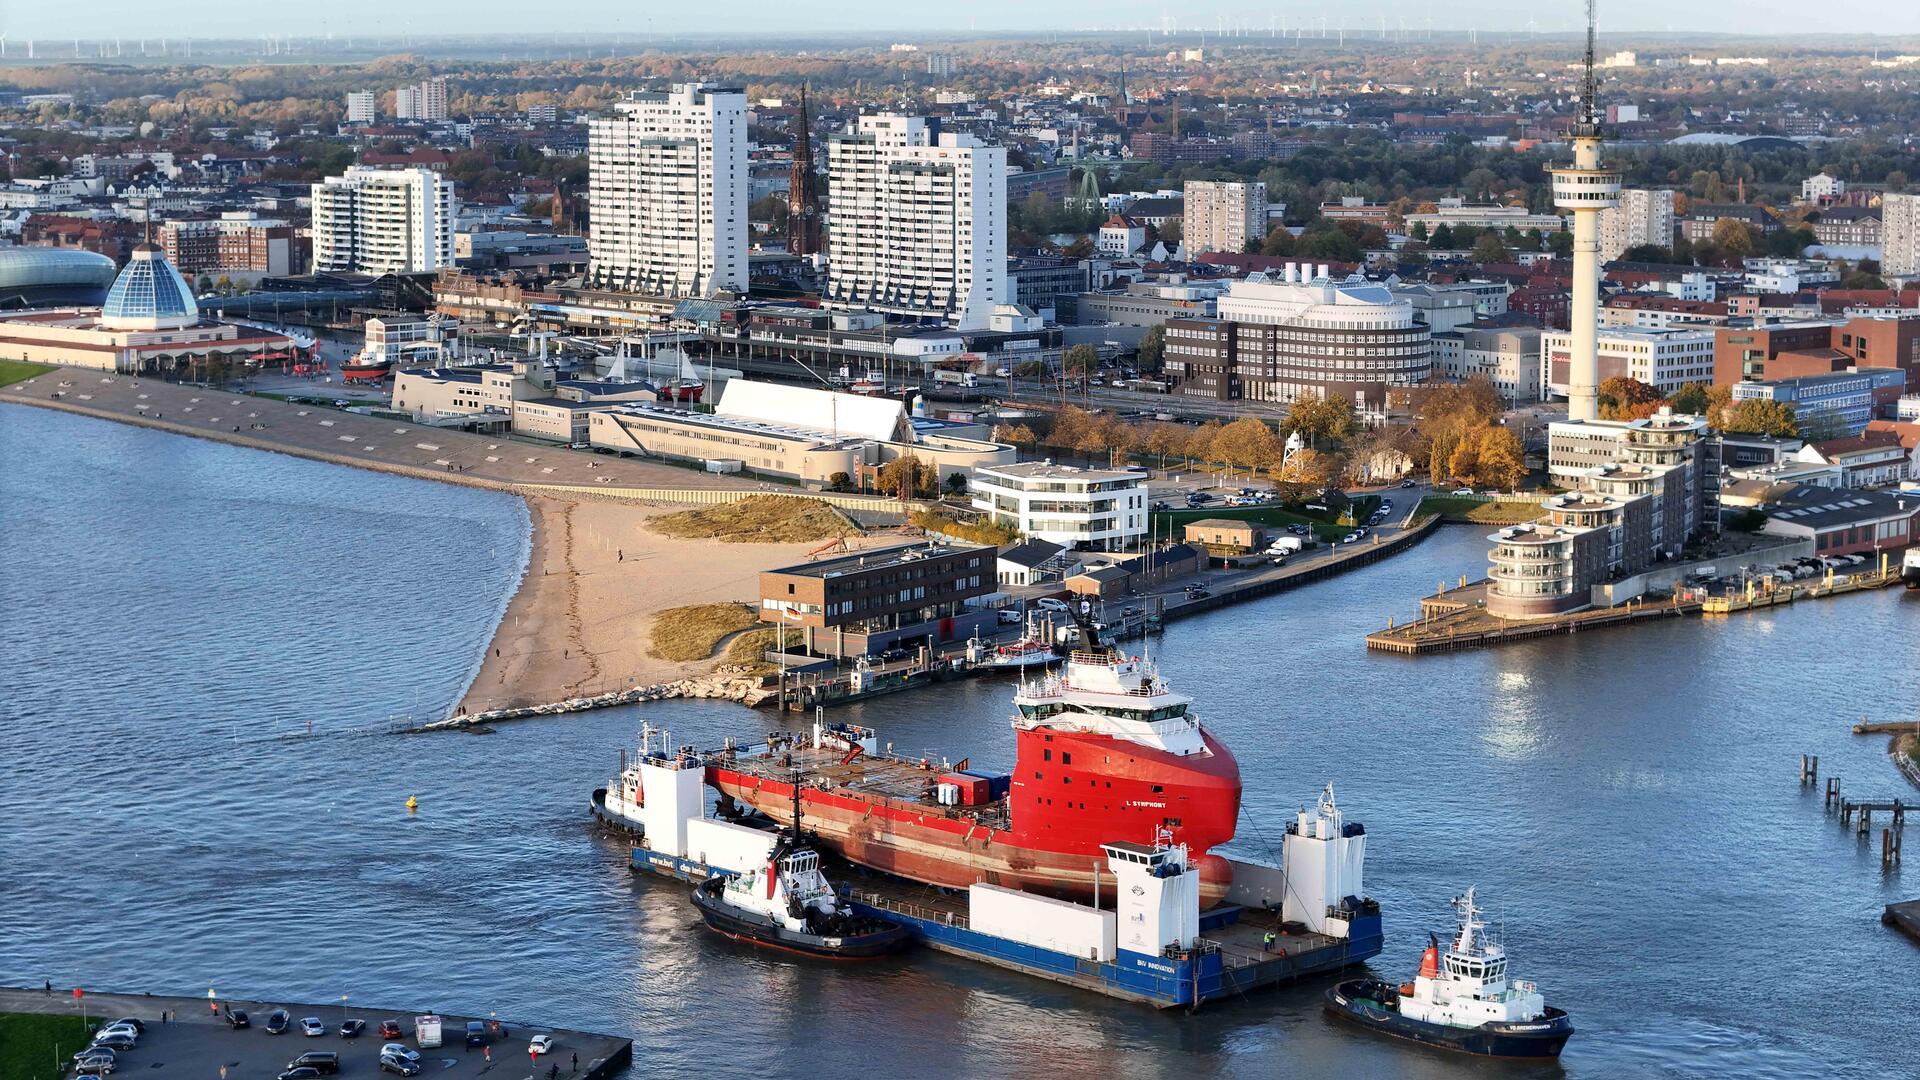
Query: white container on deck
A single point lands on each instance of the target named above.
(1041, 921)
(726, 846)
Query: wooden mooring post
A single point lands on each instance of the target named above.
(1890, 846)
(1833, 792)
(1809, 768)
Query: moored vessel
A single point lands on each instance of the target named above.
(1104, 751)
(1461, 1000)
(1910, 567)
(619, 804)
(788, 904)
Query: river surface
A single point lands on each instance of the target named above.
(202, 646)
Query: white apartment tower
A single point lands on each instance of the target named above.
(1587, 189)
(1643, 217)
(380, 221)
(422, 101)
(668, 192)
(1223, 216)
(915, 221)
(1900, 235)
(360, 107)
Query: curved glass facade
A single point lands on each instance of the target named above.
(149, 293)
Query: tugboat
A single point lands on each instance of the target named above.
(1910, 567)
(618, 804)
(790, 905)
(1460, 1001)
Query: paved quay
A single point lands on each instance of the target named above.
(198, 1043)
(333, 435)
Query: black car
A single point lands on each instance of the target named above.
(477, 1033)
(399, 1066)
(893, 655)
(118, 1040)
(325, 1061)
(352, 1029)
(277, 1022)
(304, 1072)
(238, 1018)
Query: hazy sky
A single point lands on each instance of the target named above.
(95, 19)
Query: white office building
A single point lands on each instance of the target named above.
(1223, 216)
(668, 192)
(422, 101)
(1900, 235)
(1088, 509)
(1641, 217)
(381, 221)
(1663, 359)
(360, 107)
(916, 221)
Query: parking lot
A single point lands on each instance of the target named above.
(201, 1044)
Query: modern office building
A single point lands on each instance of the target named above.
(1302, 334)
(916, 221)
(425, 100)
(1456, 213)
(1829, 405)
(1900, 235)
(1624, 516)
(1663, 359)
(1085, 509)
(1641, 217)
(1507, 356)
(361, 106)
(1223, 215)
(383, 221)
(865, 603)
(668, 192)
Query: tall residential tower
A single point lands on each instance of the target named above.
(1586, 188)
(667, 191)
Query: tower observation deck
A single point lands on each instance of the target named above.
(1585, 188)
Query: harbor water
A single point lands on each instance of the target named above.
(203, 647)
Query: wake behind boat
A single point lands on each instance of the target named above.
(1460, 1001)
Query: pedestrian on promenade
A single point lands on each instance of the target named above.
(49, 987)
(576, 1062)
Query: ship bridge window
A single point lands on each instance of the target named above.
(1066, 758)
(1157, 789)
(1046, 755)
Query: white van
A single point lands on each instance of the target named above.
(1286, 545)
(1048, 603)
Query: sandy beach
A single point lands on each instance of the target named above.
(596, 577)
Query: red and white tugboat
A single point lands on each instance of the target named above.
(1104, 752)
(1461, 1000)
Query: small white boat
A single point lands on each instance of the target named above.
(618, 804)
(1910, 567)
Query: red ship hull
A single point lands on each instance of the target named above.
(1052, 844)
(365, 372)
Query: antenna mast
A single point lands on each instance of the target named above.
(1588, 125)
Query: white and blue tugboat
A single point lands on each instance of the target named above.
(1910, 567)
(1460, 1000)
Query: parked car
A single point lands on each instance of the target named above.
(325, 1061)
(476, 1033)
(311, 1027)
(390, 1029)
(304, 1072)
(540, 1044)
(277, 1022)
(400, 1050)
(119, 1039)
(1161, 504)
(237, 1018)
(1463, 491)
(139, 1026)
(399, 1066)
(1407, 484)
(95, 1061)
(1009, 617)
(1350, 538)
(1003, 373)
(352, 1029)
(118, 1028)
(1051, 603)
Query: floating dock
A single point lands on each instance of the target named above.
(1904, 917)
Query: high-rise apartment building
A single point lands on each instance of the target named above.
(360, 107)
(1223, 216)
(915, 221)
(1900, 235)
(422, 101)
(668, 192)
(1642, 217)
(381, 221)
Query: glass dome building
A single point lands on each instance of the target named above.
(38, 277)
(149, 294)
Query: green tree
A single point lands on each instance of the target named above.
(1442, 238)
(1419, 231)
(1151, 353)
(1762, 417)
(1560, 244)
(1491, 248)
(1080, 360)
(1691, 399)
(1651, 253)
(1279, 243)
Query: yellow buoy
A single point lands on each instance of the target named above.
(412, 804)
